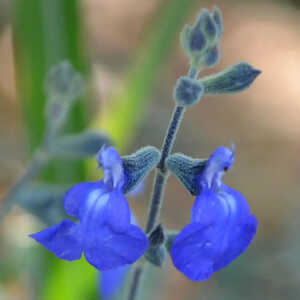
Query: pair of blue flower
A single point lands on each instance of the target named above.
(221, 226)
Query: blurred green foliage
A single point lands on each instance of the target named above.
(46, 32)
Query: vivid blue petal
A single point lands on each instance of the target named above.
(93, 213)
(77, 195)
(237, 202)
(110, 282)
(194, 250)
(210, 208)
(202, 249)
(111, 162)
(118, 212)
(225, 207)
(237, 241)
(220, 161)
(106, 249)
(63, 239)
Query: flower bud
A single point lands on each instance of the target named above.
(217, 16)
(201, 41)
(63, 86)
(197, 40)
(42, 200)
(157, 236)
(208, 26)
(212, 56)
(64, 82)
(188, 91)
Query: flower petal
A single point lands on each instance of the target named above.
(77, 195)
(118, 212)
(237, 203)
(111, 281)
(106, 249)
(194, 250)
(220, 161)
(111, 162)
(237, 241)
(220, 208)
(210, 208)
(63, 239)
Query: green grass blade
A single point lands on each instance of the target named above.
(45, 33)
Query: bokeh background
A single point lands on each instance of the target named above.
(129, 53)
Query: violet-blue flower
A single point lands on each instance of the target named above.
(221, 225)
(104, 234)
(110, 282)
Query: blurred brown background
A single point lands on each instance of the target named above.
(263, 122)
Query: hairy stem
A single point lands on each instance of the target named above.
(170, 136)
(138, 272)
(162, 174)
(160, 182)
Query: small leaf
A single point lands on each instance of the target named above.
(232, 80)
(79, 145)
(42, 200)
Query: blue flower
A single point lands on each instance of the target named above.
(221, 225)
(105, 233)
(110, 282)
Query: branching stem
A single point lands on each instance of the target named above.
(160, 183)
